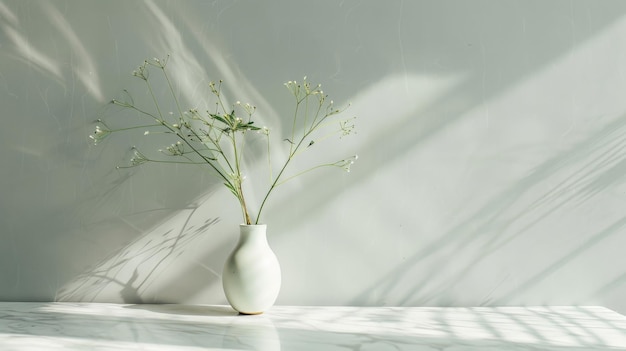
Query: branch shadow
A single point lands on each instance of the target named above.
(432, 119)
(494, 225)
(304, 328)
(146, 258)
(473, 328)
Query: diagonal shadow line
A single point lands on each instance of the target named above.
(564, 328)
(156, 251)
(489, 249)
(336, 195)
(538, 278)
(438, 115)
(462, 88)
(415, 133)
(166, 247)
(580, 326)
(617, 282)
(493, 210)
(577, 178)
(206, 330)
(488, 326)
(609, 323)
(492, 245)
(456, 324)
(174, 245)
(529, 327)
(608, 178)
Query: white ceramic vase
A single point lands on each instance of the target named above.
(251, 276)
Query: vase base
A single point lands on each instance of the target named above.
(249, 313)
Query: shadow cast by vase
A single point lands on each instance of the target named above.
(188, 310)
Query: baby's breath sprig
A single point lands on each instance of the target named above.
(101, 132)
(137, 159)
(217, 138)
(347, 126)
(346, 163)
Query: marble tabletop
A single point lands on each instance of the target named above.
(93, 326)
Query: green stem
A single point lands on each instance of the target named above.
(293, 127)
(135, 127)
(169, 84)
(239, 180)
(269, 158)
(307, 171)
(282, 170)
(163, 161)
(177, 132)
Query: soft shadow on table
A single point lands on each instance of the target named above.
(190, 310)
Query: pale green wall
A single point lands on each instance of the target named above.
(491, 141)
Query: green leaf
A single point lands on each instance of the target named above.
(219, 118)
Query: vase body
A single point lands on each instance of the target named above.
(251, 276)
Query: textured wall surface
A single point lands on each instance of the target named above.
(491, 138)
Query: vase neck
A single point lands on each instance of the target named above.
(253, 233)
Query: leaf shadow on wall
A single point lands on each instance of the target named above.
(439, 113)
(579, 174)
(392, 142)
(120, 206)
(131, 271)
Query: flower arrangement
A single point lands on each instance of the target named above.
(217, 138)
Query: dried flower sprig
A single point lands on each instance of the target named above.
(217, 138)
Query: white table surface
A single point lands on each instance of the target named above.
(84, 326)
